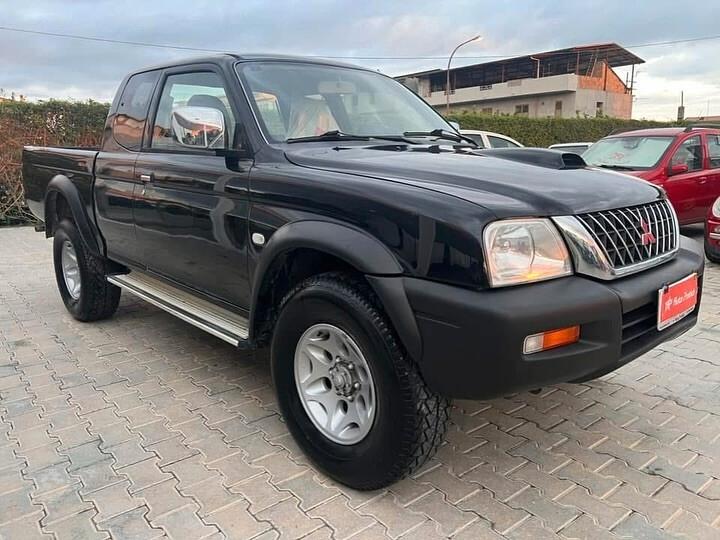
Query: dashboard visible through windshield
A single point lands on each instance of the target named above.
(631, 153)
(294, 100)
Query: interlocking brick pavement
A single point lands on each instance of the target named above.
(144, 427)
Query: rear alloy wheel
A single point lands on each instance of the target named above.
(80, 276)
(351, 396)
(70, 269)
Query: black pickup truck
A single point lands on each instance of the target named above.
(328, 212)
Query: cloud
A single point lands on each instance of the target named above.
(42, 66)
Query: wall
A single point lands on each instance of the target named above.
(614, 104)
(579, 95)
(538, 106)
(520, 87)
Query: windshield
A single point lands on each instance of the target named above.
(627, 152)
(294, 100)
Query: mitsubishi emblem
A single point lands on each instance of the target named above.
(647, 237)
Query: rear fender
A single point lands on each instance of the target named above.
(61, 187)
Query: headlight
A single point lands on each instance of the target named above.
(524, 250)
(716, 208)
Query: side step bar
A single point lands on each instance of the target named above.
(219, 322)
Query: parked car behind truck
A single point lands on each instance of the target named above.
(329, 213)
(712, 232)
(685, 162)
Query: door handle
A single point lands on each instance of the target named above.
(146, 177)
(702, 180)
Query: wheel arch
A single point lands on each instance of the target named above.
(302, 249)
(62, 199)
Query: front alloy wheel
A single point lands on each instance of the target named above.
(335, 384)
(351, 396)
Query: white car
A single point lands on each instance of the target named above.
(574, 147)
(488, 139)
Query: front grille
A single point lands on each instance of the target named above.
(634, 234)
(639, 326)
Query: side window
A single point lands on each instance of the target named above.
(498, 142)
(478, 139)
(689, 153)
(269, 108)
(132, 111)
(714, 151)
(194, 112)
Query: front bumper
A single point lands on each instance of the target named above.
(472, 341)
(712, 235)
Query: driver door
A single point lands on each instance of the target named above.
(191, 210)
(684, 187)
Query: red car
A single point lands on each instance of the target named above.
(684, 161)
(712, 233)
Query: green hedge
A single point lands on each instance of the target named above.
(46, 123)
(546, 131)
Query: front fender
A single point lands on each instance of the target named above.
(358, 249)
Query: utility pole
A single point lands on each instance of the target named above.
(447, 82)
(681, 108)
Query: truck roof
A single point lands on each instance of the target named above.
(222, 58)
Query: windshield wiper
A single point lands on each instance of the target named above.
(614, 167)
(393, 138)
(337, 135)
(441, 134)
(332, 135)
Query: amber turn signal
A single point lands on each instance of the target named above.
(551, 339)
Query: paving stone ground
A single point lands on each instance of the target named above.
(145, 427)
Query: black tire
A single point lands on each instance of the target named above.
(98, 299)
(712, 254)
(410, 420)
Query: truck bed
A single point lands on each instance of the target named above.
(41, 164)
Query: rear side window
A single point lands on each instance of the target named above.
(714, 151)
(132, 111)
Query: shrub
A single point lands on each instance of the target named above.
(47, 123)
(543, 132)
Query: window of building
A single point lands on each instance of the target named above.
(129, 122)
(199, 89)
(689, 153)
(599, 108)
(522, 110)
(558, 109)
(486, 110)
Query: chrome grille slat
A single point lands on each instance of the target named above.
(630, 235)
(665, 225)
(656, 226)
(622, 259)
(650, 222)
(620, 234)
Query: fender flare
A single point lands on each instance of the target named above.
(358, 249)
(62, 185)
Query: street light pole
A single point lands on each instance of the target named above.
(447, 84)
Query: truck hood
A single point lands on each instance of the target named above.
(506, 188)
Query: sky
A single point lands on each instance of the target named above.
(42, 67)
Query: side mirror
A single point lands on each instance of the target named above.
(455, 125)
(199, 127)
(678, 168)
